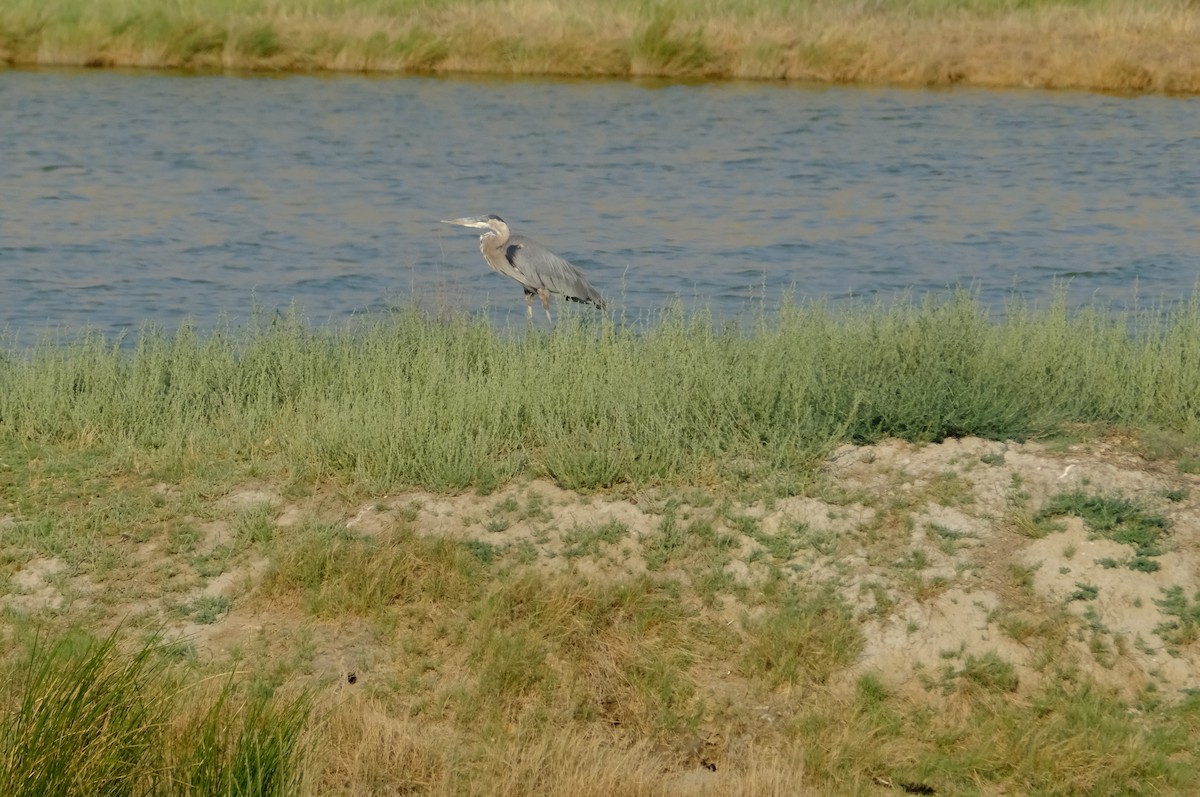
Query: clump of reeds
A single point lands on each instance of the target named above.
(1106, 44)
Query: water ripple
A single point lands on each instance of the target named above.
(133, 197)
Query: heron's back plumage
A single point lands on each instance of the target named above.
(542, 270)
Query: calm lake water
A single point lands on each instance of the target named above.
(127, 198)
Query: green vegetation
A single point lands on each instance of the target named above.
(1115, 518)
(79, 716)
(1184, 627)
(447, 405)
(1098, 44)
(586, 540)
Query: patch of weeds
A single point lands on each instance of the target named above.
(507, 506)
(213, 563)
(1189, 465)
(295, 489)
(871, 691)
(782, 545)
(836, 493)
(535, 508)
(948, 538)
(825, 543)
(923, 589)
(659, 548)
(509, 665)
(255, 525)
(1184, 628)
(335, 572)
(1084, 592)
(1102, 652)
(746, 524)
(1108, 563)
(988, 673)
(1017, 496)
(995, 460)
(206, 609)
(915, 559)
(176, 650)
(1094, 621)
(1119, 519)
(1018, 626)
(497, 525)
(1020, 577)
(712, 581)
(951, 489)
(1176, 495)
(1034, 526)
(526, 552)
(182, 539)
(698, 546)
(1143, 564)
(1156, 444)
(807, 638)
(485, 552)
(586, 540)
(883, 602)
(487, 481)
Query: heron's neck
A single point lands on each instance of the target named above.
(491, 239)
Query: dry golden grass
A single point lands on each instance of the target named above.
(1120, 45)
(367, 750)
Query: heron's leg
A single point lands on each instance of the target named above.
(545, 297)
(529, 305)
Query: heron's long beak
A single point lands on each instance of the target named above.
(479, 222)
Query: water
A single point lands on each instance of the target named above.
(127, 197)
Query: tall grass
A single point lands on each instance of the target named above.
(1099, 44)
(84, 717)
(450, 404)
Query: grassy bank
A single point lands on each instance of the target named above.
(1094, 44)
(456, 404)
(716, 623)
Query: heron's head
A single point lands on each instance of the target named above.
(491, 224)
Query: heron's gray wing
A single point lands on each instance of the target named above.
(543, 269)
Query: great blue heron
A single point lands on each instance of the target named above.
(540, 271)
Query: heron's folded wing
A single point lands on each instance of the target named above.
(543, 269)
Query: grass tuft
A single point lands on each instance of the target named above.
(1184, 628)
(804, 641)
(85, 717)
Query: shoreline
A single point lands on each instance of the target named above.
(1115, 48)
